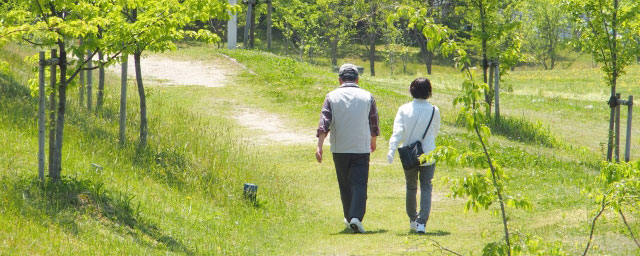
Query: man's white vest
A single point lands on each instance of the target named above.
(349, 130)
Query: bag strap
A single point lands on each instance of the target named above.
(429, 125)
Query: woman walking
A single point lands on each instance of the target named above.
(417, 120)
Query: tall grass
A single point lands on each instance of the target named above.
(524, 130)
(180, 195)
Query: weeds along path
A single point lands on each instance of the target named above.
(264, 126)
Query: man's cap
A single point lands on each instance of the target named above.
(348, 68)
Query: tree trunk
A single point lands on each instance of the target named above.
(62, 100)
(372, 55)
(52, 114)
(498, 190)
(496, 91)
(491, 72)
(614, 79)
(41, 114)
(81, 82)
(269, 24)
(426, 54)
(552, 57)
(405, 60)
(391, 61)
(89, 82)
(123, 100)
(252, 37)
(333, 49)
(100, 99)
(485, 61)
(143, 102)
(429, 61)
(372, 40)
(301, 49)
(247, 27)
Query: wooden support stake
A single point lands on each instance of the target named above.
(627, 151)
(41, 123)
(52, 111)
(617, 131)
(123, 99)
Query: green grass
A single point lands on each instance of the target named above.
(551, 177)
(182, 195)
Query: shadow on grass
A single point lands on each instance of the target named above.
(16, 103)
(164, 164)
(69, 200)
(369, 232)
(523, 130)
(520, 129)
(430, 233)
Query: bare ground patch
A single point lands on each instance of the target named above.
(167, 71)
(270, 128)
(266, 127)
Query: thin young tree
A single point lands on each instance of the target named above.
(491, 27)
(372, 15)
(158, 25)
(546, 30)
(607, 30)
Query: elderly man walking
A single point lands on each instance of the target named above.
(350, 113)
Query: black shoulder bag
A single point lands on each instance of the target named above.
(409, 154)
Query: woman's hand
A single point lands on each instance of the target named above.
(390, 156)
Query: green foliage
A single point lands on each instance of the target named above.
(596, 21)
(618, 184)
(533, 245)
(545, 28)
(493, 28)
(495, 249)
(418, 19)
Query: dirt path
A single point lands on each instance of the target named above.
(268, 128)
(271, 127)
(179, 72)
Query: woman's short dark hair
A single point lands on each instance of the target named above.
(420, 88)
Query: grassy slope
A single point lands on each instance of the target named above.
(188, 184)
(182, 195)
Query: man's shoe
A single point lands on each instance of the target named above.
(356, 225)
(421, 228)
(413, 225)
(346, 223)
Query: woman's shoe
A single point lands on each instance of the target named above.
(413, 225)
(421, 228)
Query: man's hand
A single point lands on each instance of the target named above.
(319, 154)
(321, 138)
(373, 144)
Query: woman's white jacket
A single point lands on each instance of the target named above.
(409, 125)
